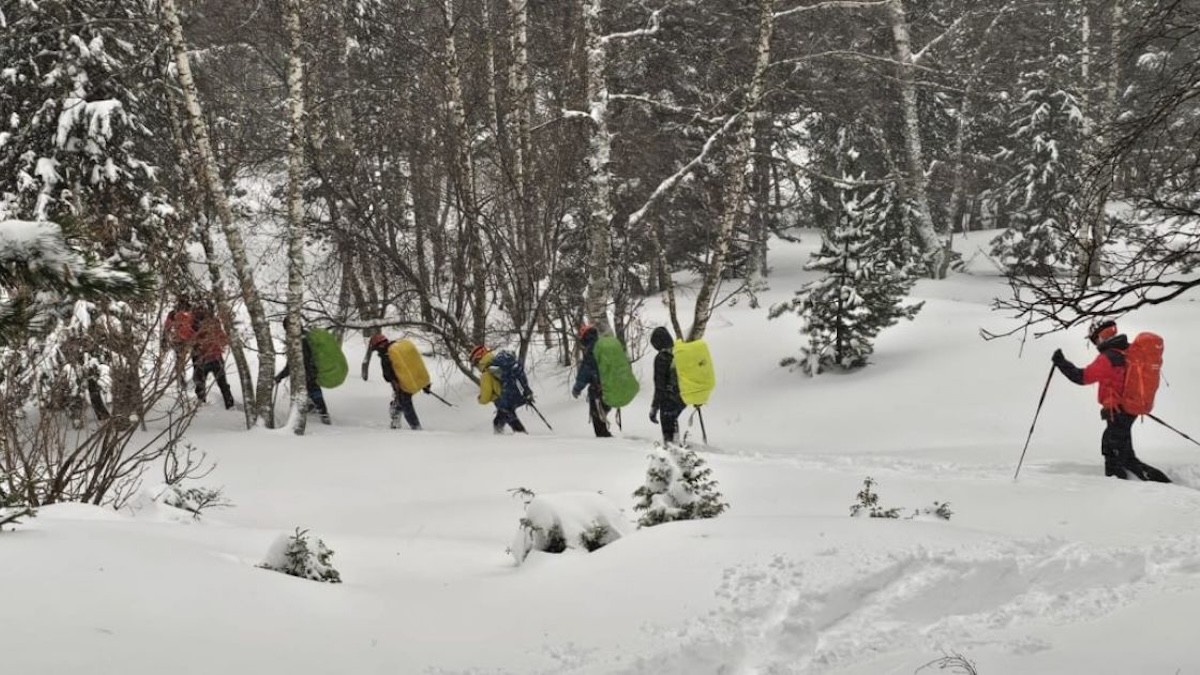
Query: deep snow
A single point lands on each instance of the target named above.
(1061, 571)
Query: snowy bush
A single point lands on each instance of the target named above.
(11, 509)
(559, 522)
(295, 555)
(679, 486)
(195, 500)
(868, 505)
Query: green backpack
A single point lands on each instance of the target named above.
(618, 386)
(328, 358)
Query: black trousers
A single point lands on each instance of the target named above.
(402, 405)
(669, 421)
(1116, 444)
(200, 372)
(598, 413)
(505, 417)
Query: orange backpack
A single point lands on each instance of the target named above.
(1143, 364)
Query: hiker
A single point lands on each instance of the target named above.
(588, 376)
(502, 382)
(316, 397)
(402, 401)
(208, 355)
(667, 404)
(1108, 370)
(179, 333)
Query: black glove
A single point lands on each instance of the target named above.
(654, 415)
(427, 389)
(1058, 357)
(575, 393)
(529, 397)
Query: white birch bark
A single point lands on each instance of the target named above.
(915, 179)
(211, 178)
(465, 169)
(295, 211)
(735, 190)
(521, 107)
(598, 208)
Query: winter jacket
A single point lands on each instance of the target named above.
(385, 363)
(666, 380)
(310, 367)
(211, 340)
(179, 328)
(588, 374)
(514, 387)
(1107, 369)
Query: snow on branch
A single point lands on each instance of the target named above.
(834, 4)
(671, 181)
(655, 22)
(666, 107)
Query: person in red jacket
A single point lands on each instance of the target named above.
(179, 333)
(208, 355)
(1108, 371)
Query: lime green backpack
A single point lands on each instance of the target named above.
(694, 366)
(618, 386)
(328, 358)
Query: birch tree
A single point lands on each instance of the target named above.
(211, 178)
(735, 189)
(295, 211)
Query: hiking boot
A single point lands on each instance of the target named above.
(325, 418)
(395, 423)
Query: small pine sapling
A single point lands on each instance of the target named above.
(195, 500)
(595, 536)
(679, 486)
(554, 523)
(297, 557)
(11, 510)
(868, 503)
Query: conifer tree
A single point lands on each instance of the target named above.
(1044, 192)
(862, 290)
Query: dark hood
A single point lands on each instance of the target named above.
(1118, 341)
(661, 339)
(589, 337)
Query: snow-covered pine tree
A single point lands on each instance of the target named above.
(863, 289)
(1044, 190)
(679, 486)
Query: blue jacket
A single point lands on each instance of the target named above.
(514, 386)
(588, 374)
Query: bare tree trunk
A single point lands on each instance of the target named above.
(735, 191)
(295, 209)
(598, 210)
(211, 177)
(1099, 140)
(465, 171)
(917, 183)
(522, 104)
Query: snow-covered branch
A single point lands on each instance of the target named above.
(848, 54)
(833, 4)
(671, 181)
(655, 22)
(666, 107)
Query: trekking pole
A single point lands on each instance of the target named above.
(1172, 428)
(440, 398)
(703, 431)
(539, 414)
(619, 427)
(1035, 416)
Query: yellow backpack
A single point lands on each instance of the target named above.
(408, 365)
(694, 367)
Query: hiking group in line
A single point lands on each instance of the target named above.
(1126, 373)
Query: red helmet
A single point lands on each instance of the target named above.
(583, 329)
(377, 340)
(478, 353)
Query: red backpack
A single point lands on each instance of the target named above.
(181, 326)
(1143, 364)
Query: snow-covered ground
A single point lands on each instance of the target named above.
(1061, 571)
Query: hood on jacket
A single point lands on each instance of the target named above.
(1118, 341)
(661, 339)
(590, 336)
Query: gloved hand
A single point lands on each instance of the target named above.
(1058, 357)
(427, 389)
(529, 398)
(654, 415)
(575, 393)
